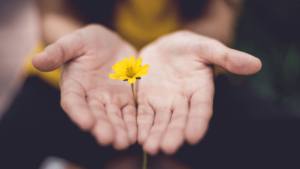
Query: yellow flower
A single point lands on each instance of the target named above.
(129, 70)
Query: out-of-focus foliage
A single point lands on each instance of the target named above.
(269, 30)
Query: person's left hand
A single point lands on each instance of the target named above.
(175, 99)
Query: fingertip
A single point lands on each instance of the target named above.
(150, 148)
(195, 131)
(121, 142)
(242, 63)
(37, 61)
(50, 59)
(191, 140)
(251, 65)
(132, 137)
(152, 144)
(120, 147)
(257, 65)
(86, 122)
(168, 148)
(170, 145)
(104, 133)
(105, 143)
(142, 135)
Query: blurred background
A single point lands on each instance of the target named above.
(267, 29)
(19, 33)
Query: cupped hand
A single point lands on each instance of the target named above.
(176, 98)
(90, 98)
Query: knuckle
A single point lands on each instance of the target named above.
(59, 51)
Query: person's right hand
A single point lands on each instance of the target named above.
(90, 98)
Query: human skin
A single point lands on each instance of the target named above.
(92, 100)
(176, 98)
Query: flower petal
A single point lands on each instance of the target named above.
(119, 70)
(145, 67)
(120, 65)
(141, 73)
(137, 64)
(125, 62)
(131, 61)
(114, 76)
(123, 77)
(131, 80)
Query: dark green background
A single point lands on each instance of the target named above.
(269, 30)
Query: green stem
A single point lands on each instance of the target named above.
(133, 95)
(145, 160)
(144, 152)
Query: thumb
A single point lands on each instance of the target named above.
(232, 60)
(66, 48)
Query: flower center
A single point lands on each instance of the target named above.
(129, 72)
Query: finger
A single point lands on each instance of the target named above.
(114, 114)
(74, 104)
(103, 129)
(174, 135)
(161, 121)
(199, 114)
(66, 48)
(232, 60)
(129, 116)
(145, 121)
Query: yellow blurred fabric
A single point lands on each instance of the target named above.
(142, 21)
(137, 21)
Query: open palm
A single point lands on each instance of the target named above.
(176, 98)
(92, 100)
